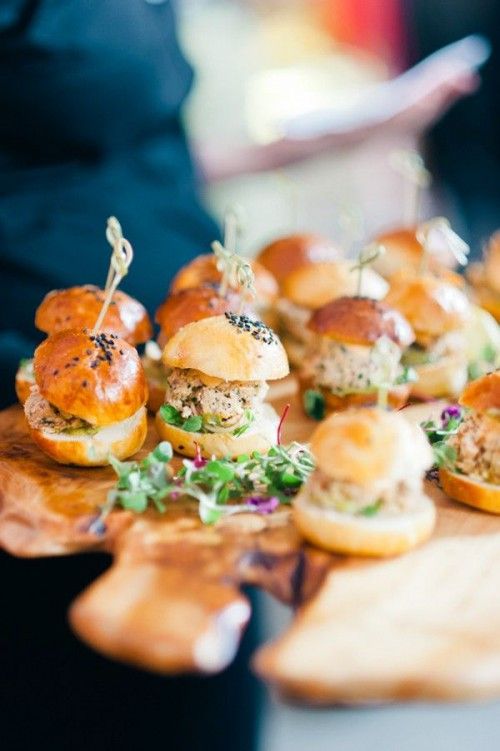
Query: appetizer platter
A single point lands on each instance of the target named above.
(362, 489)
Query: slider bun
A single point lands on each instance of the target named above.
(101, 395)
(190, 305)
(443, 378)
(259, 437)
(79, 307)
(361, 320)
(381, 535)
(481, 495)
(156, 395)
(366, 445)
(397, 396)
(23, 386)
(403, 251)
(482, 394)
(203, 271)
(122, 439)
(228, 350)
(432, 306)
(314, 285)
(287, 254)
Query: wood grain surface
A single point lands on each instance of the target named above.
(425, 625)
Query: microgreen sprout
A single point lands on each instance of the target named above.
(438, 435)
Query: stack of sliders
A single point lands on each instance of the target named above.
(79, 307)
(359, 346)
(440, 314)
(214, 400)
(88, 399)
(310, 272)
(485, 278)
(179, 309)
(366, 495)
(474, 477)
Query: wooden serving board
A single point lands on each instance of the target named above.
(426, 625)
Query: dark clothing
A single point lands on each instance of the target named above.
(90, 94)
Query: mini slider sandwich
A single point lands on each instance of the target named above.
(485, 278)
(78, 307)
(179, 309)
(474, 478)
(214, 401)
(439, 313)
(89, 397)
(360, 343)
(366, 495)
(404, 251)
(310, 272)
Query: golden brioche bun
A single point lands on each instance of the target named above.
(403, 251)
(79, 307)
(363, 446)
(259, 437)
(431, 305)
(380, 535)
(122, 439)
(156, 395)
(24, 382)
(397, 396)
(203, 270)
(481, 495)
(287, 254)
(361, 320)
(482, 394)
(192, 304)
(316, 284)
(232, 347)
(488, 299)
(99, 379)
(444, 378)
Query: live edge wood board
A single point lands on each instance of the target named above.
(422, 626)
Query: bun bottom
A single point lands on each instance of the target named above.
(23, 386)
(481, 495)
(377, 536)
(259, 437)
(444, 378)
(397, 396)
(122, 439)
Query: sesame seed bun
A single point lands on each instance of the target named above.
(378, 536)
(259, 437)
(403, 251)
(203, 270)
(431, 305)
(481, 495)
(190, 305)
(483, 394)
(444, 378)
(316, 284)
(122, 439)
(79, 308)
(361, 320)
(287, 254)
(367, 445)
(232, 347)
(98, 379)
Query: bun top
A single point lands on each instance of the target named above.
(483, 394)
(79, 307)
(316, 284)
(287, 254)
(232, 347)
(368, 446)
(98, 378)
(432, 306)
(203, 270)
(360, 320)
(190, 305)
(403, 251)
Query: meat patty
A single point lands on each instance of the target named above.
(42, 415)
(348, 368)
(477, 446)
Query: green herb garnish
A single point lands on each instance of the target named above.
(439, 434)
(314, 404)
(201, 423)
(249, 417)
(372, 509)
(408, 375)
